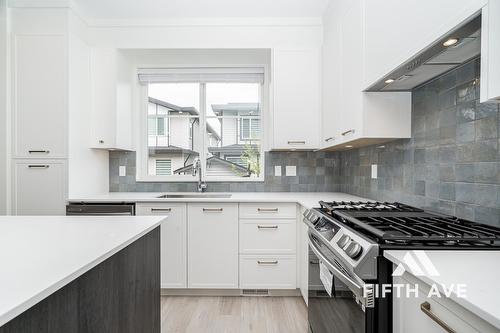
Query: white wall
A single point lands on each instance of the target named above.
(213, 33)
(3, 108)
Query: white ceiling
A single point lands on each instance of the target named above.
(169, 9)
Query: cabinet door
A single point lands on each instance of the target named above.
(212, 245)
(39, 187)
(40, 96)
(409, 318)
(490, 52)
(173, 242)
(296, 85)
(351, 50)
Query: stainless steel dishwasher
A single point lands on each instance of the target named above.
(100, 209)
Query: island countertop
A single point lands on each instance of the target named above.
(477, 270)
(41, 254)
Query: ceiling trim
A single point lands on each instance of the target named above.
(40, 4)
(212, 21)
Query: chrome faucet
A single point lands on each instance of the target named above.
(202, 186)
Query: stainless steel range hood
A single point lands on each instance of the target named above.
(435, 60)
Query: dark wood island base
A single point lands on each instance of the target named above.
(120, 295)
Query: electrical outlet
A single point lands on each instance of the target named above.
(291, 170)
(122, 171)
(374, 171)
(277, 170)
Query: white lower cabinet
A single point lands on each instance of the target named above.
(213, 245)
(268, 245)
(268, 272)
(173, 242)
(39, 187)
(421, 314)
(271, 236)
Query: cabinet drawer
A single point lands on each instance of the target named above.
(267, 272)
(263, 236)
(162, 209)
(268, 210)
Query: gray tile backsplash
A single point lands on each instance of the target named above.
(451, 164)
(316, 172)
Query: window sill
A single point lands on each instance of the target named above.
(154, 179)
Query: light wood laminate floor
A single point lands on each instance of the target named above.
(233, 314)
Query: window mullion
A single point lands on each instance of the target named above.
(203, 126)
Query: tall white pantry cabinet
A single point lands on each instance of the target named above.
(40, 42)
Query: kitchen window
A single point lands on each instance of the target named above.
(210, 114)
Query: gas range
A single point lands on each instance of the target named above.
(347, 240)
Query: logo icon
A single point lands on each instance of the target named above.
(417, 263)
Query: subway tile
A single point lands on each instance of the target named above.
(486, 195)
(466, 112)
(465, 192)
(486, 128)
(486, 172)
(466, 132)
(485, 110)
(447, 191)
(466, 92)
(464, 172)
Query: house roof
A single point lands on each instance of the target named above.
(191, 110)
(236, 148)
(248, 108)
(189, 167)
(153, 150)
(181, 109)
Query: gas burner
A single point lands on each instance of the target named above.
(373, 206)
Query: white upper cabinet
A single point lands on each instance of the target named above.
(490, 52)
(397, 30)
(111, 84)
(350, 116)
(40, 92)
(296, 99)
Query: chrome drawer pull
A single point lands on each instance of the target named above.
(161, 210)
(213, 209)
(273, 210)
(330, 138)
(351, 131)
(267, 226)
(296, 142)
(426, 308)
(38, 151)
(38, 166)
(265, 262)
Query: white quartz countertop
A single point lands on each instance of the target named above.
(306, 199)
(39, 255)
(477, 270)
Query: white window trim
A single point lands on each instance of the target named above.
(142, 151)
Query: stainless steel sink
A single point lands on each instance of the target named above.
(195, 195)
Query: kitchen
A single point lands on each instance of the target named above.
(249, 166)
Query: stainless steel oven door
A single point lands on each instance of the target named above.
(343, 311)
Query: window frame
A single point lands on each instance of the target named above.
(142, 154)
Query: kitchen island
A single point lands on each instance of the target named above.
(79, 274)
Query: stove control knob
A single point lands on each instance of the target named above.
(343, 241)
(353, 250)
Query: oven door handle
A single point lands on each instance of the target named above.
(362, 292)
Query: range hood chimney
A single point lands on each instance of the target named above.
(450, 51)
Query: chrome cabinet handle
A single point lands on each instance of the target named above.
(267, 262)
(161, 210)
(426, 308)
(38, 151)
(213, 209)
(330, 138)
(296, 142)
(267, 226)
(38, 166)
(267, 209)
(351, 131)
